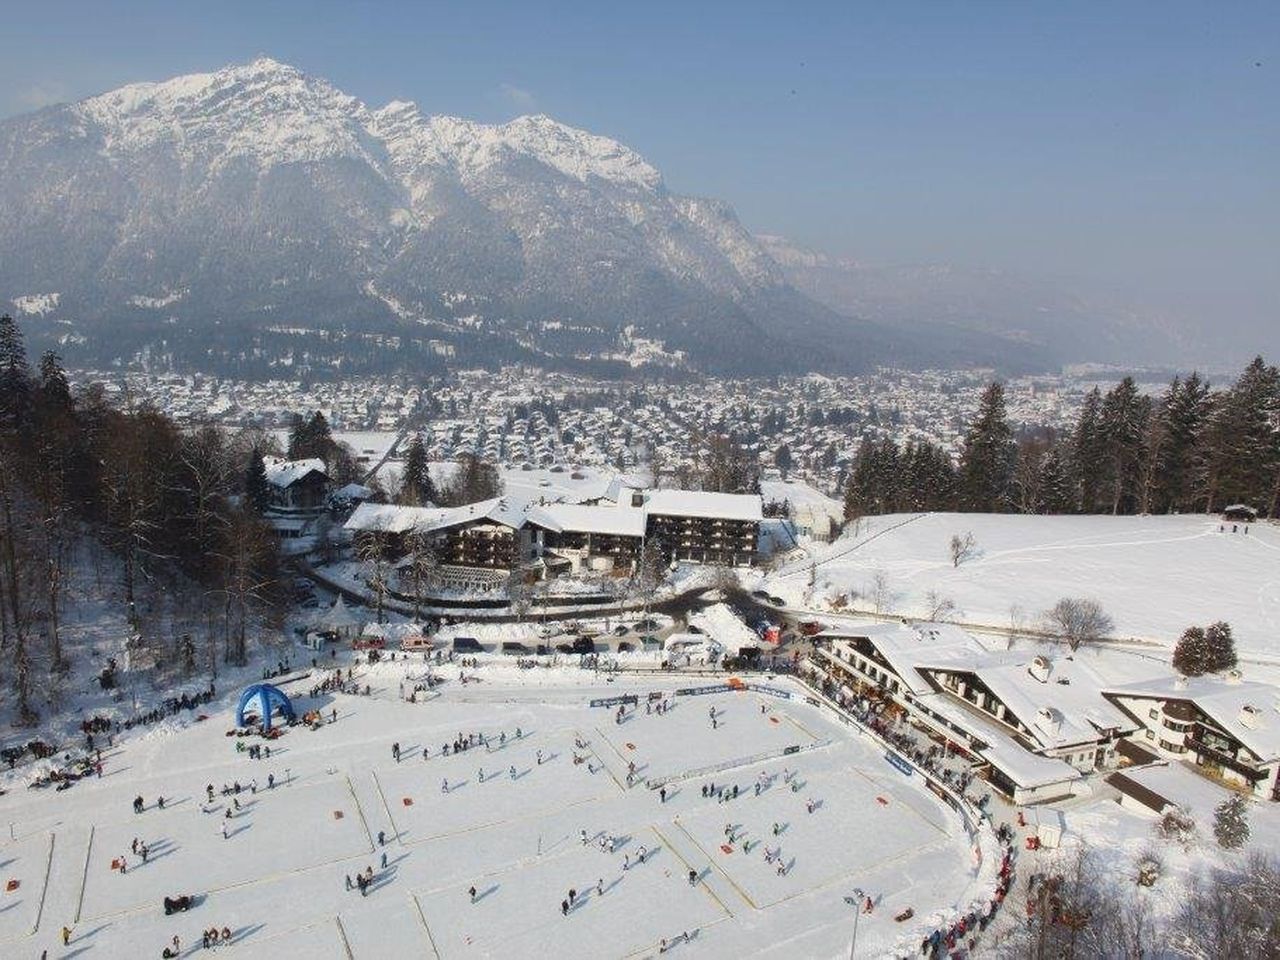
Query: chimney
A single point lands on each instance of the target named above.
(1250, 716)
(1040, 668)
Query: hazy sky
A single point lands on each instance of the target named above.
(1129, 147)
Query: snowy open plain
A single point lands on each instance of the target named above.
(277, 880)
(1155, 576)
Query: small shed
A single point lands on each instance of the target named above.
(1239, 513)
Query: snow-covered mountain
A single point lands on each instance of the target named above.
(256, 209)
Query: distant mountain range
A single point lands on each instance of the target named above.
(256, 218)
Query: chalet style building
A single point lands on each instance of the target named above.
(606, 536)
(298, 488)
(1228, 728)
(1032, 726)
(720, 528)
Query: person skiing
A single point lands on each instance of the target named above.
(662, 794)
(66, 936)
(472, 892)
(600, 887)
(382, 838)
(564, 908)
(444, 785)
(693, 877)
(348, 881)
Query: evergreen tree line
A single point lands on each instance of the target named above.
(1189, 450)
(178, 508)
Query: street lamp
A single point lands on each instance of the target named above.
(855, 901)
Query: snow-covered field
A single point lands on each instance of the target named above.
(1154, 575)
(277, 880)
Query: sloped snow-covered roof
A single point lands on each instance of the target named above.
(576, 518)
(285, 473)
(721, 624)
(700, 503)
(1063, 708)
(393, 518)
(906, 646)
(1250, 712)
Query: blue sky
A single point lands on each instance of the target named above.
(1127, 147)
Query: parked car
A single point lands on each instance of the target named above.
(584, 645)
(467, 645)
(621, 630)
(515, 648)
(760, 594)
(811, 628)
(777, 601)
(625, 647)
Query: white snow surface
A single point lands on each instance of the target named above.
(1155, 576)
(277, 881)
(273, 113)
(37, 304)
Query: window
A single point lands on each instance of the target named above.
(1150, 734)
(1153, 714)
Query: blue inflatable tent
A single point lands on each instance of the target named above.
(268, 699)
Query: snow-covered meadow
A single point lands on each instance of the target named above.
(1155, 576)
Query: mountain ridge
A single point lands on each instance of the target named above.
(258, 217)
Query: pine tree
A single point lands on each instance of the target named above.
(988, 457)
(783, 459)
(1191, 654)
(1183, 416)
(1088, 452)
(54, 391)
(1230, 823)
(15, 376)
(416, 488)
(257, 492)
(1220, 648)
(1054, 489)
(1123, 423)
(298, 438)
(1244, 440)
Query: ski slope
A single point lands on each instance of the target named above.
(508, 825)
(1155, 576)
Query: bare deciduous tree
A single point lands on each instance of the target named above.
(962, 547)
(370, 553)
(1078, 620)
(939, 607)
(881, 594)
(421, 567)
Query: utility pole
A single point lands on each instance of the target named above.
(855, 901)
